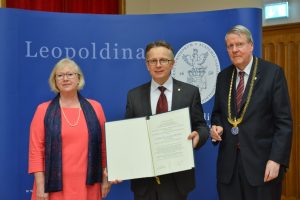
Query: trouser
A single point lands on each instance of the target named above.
(240, 189)
(167, 190)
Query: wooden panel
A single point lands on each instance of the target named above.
(2, 3)
(122, 7)
(281, 45)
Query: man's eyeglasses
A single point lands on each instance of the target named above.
(69, 75)
(163, 61)
(238, 45)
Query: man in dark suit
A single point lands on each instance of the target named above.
(143, 100)
(252, 122)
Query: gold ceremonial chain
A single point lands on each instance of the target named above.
(235, 122)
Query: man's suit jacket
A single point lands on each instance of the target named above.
(266, 130)
(184, 95)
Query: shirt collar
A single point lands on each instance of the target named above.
(168, 84)
(247, 68)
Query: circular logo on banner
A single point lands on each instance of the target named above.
(196, 63)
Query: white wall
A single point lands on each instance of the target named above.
(177, 6)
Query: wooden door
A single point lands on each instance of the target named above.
(281, 45)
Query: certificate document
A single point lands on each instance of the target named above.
(149, 146)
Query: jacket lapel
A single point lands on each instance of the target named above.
(176, 95)
(256, 80)
(233, 95)
(146, 102)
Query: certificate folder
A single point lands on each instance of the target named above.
(149, 146)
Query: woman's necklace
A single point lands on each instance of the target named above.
(235, 122)
(63, 113)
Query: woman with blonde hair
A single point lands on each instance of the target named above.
(67, 148)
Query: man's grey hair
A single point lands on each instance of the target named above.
(240, 30)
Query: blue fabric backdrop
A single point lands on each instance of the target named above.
(109, 49)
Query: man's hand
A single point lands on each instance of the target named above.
(216, 133)
(272, 170)
(194, 136)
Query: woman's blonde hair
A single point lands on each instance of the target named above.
(61, 64)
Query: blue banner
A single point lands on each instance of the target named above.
(110, 51)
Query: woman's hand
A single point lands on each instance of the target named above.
(105, 186)
(40, 194)
(40, 189)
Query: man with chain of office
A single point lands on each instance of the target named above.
(251, 122)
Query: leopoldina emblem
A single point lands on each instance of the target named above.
(197, 63)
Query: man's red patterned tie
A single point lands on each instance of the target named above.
(240, 91)
(162, 103)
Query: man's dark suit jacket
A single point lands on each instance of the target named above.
(184, 95)
(266, 130)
